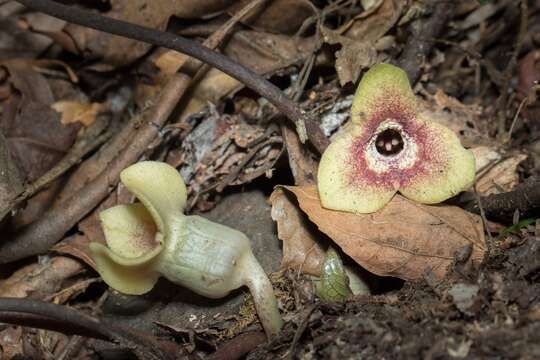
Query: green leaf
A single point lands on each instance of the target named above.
(333, 284)
(516, 227)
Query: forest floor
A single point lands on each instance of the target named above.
(457, 280)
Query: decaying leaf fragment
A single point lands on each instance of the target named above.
(77, 111)
(404, 239)
(300, 248)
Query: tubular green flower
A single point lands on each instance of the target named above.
(154, 238)
(390, 146)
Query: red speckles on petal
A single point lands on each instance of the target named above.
(417, 158)
(389, 146)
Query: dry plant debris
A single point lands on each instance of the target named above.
(242, 98)
(405, 239)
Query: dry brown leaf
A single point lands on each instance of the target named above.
(40, 279)
(495, 172)
(116, 50)
(300, 248)
(277, 16)
(77, 111)
(12, 342)
(263, 53)
(404, 239)
(461, 118)
(354, 56)
(372, 24)
(35, 137)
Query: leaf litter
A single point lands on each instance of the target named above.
(59, 80)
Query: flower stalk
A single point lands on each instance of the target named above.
(154, 238)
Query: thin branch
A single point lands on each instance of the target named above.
(525, 198)
(39, 236)
(191, 48)
(124, 149)
(44, 315)
(92, 138)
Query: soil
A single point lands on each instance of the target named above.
(490, 314)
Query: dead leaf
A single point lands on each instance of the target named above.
(354, 56)
(496, 173)
(461, 118)
(17, 40)
(77, 111)
(35, 137)
(300, 248)
(301, 161)
(372, 24)
(10, 176)
(40, 279)
(264, 53)
(277, 16)
(12, 343)
(116, 50)
(404, 239)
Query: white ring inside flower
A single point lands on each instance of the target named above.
(397, 157)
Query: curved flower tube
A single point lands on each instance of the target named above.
(390, 146)
(154, 238)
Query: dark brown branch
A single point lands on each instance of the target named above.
(191, 48)
(44, 315)
(525, 199)
(39, 236)
(422, 32)
(93, 180)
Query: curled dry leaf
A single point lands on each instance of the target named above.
(376, 21)
(300, 248)
(496, 173)
(404, 239)
(354, 56)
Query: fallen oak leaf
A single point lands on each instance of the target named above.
(404, 239)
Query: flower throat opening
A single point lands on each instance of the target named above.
(389, 142)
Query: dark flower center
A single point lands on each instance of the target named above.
(389, 142)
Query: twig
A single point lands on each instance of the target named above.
(43, 315)
(516, 117)
(191, 48)
(418, 47)
(39, 236)
(124, 150)
(92, 138)
(301, 328)
(489, 244)
(501, 102)
(238, 346)
(76, 342)
(525, 198)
